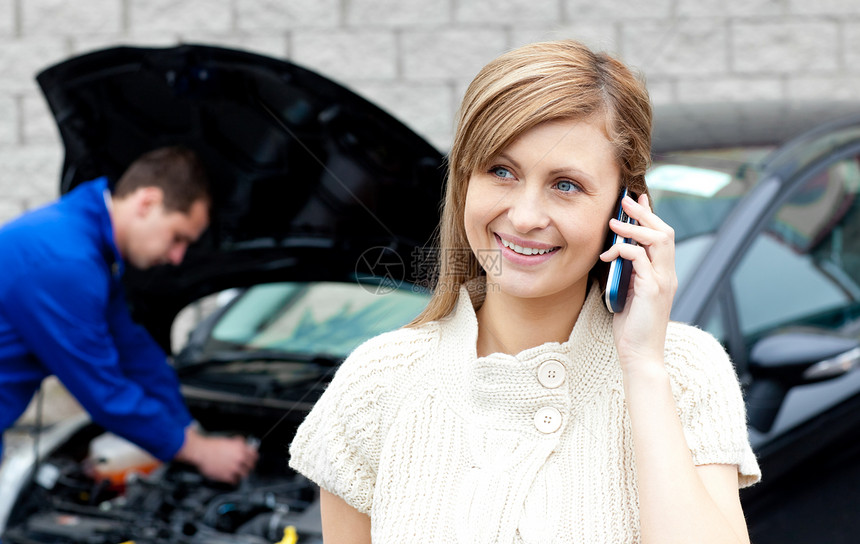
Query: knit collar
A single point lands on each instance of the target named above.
(502, 387)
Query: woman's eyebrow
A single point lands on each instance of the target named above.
(506, 157)
(561, 170)
(569, 169)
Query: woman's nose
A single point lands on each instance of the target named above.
(527, 211)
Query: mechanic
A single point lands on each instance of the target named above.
(63, 310)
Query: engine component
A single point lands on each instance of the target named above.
(173, 504)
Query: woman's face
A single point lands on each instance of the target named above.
(537, 216)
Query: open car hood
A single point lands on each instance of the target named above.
(307, 176)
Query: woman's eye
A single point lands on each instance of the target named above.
(501, 172)
(565, 186)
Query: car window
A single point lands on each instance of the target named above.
(812, 147)
(694, 191)
(804, 268)
(714, 322)
(315, 318)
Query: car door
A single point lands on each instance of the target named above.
(802, 270)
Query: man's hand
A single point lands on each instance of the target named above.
(225, 459)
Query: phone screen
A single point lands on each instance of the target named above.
(620, 269)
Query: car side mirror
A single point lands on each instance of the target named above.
(784, 360)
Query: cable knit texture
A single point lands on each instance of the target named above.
(435, 443)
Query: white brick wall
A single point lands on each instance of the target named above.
(790, 47)
(825, 7)
(731, 8)
(840, 87)
(415, 57)
(621, 10)
(46, 18)
(394, 14)
(851, 47)
(31, 174)
(599, 35)
(729, 89)
(491, 12)
(21, 59)
(172, 15)
(347, 54)
(692, 47)
(449, 54)
(9, 120)
(277, 16)
(7, 18)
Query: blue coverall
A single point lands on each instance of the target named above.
(63, 312)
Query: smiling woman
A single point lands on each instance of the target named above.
(516, 408)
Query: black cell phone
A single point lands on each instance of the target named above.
(620, 269)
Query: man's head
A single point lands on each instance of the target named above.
(160, 206)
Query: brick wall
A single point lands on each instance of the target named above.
(414, 57)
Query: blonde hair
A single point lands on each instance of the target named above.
(515, 92)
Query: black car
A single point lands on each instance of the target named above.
(324, 205)
(768, 258)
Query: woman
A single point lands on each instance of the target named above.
(516, 408)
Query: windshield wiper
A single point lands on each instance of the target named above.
(227, 357)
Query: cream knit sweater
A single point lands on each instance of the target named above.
(438, 445)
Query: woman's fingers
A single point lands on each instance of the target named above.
(641, 211)
(652, 233)
(653, 255)
(656, 243)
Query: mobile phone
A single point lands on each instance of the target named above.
(620, 269)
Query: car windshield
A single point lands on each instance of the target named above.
(326, 319)
(694, 191)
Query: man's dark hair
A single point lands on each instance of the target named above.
(176, 170)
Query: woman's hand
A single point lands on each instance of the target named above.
(640, 330)
(678, 501)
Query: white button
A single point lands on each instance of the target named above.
(551, 374)
(548, 420)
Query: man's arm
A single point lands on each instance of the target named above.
(142, 360)
(60, 313)
(221, 458)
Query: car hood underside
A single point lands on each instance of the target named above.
(307, 175)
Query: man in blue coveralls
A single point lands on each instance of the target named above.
(63, 312)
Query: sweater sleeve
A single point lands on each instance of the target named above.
(339, 444)
(709, 400)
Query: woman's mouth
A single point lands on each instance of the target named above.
(525, 248)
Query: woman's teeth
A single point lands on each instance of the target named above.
(525, 250)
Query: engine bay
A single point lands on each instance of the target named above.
(67, 502)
